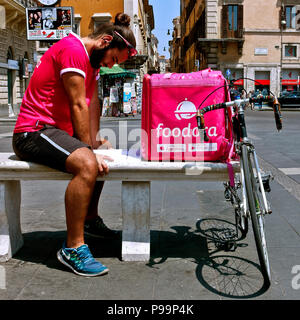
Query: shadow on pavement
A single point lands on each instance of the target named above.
(41, 246)
(227, 275)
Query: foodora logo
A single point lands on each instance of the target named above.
(185, 110)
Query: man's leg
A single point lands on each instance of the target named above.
(93, 207)
(83, 165)
(94, 225)
(55, 148)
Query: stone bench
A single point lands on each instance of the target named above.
(135, 175)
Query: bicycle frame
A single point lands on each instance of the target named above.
(239, 106)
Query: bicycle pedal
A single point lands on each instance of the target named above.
(227, 196)
(230, 246)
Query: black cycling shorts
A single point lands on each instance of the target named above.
(49, 146)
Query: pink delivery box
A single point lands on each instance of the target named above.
(169, 125)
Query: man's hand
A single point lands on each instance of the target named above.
(105, 144)
(102, 165)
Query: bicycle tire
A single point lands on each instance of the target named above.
(243, 220)
(254, 203)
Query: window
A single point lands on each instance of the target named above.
(290, 51)
(232, 21)
(233, 18)
(76, 25)
(290, 15)
(100, 18)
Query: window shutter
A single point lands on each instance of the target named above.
(240, 22)
(225, 22)
(298, 18)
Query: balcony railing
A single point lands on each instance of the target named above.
(26, 3)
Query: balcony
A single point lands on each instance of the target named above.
(13, 13)
(26, 3)
(18, 4)
(231, 29)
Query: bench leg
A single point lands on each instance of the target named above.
(11, 239)
(136, 221)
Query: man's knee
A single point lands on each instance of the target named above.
(83, 162)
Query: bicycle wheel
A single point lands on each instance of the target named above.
(257, 213)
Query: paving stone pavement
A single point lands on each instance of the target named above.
(186, 262)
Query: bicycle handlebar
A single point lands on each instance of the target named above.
(224, 105)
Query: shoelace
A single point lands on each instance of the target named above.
(84, 254)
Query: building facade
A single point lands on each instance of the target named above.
(175, 47)
(244, 39)
(17, 55)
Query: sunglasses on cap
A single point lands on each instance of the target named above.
(131, 50)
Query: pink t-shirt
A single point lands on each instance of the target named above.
(45, 100)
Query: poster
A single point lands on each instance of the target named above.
(114, 95)
(126, 107)
(48, 23)
(127, 92)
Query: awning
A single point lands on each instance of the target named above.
(262, 82)
(116, 72)
(290, 82)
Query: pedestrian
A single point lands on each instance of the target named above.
(58, 124)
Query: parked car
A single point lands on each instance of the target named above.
(290, 99)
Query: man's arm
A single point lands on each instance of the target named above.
(75, 88)
(94, 113)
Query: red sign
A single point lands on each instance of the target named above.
(262, 82)
(239, 82)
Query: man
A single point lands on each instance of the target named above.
(58, 124)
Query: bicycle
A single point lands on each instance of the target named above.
(248, 191)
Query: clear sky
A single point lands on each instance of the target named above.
(164, 13)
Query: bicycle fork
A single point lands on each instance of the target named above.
(260, 181)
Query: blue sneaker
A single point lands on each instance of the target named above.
(81, 261)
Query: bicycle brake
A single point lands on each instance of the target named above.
(266, 181)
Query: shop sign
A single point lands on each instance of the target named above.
(13, 64)
(261, 51)
(25, 71)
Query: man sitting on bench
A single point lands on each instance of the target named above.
(58, 123)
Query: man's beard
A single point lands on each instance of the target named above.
(96, 57)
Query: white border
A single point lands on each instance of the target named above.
(72, 70)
